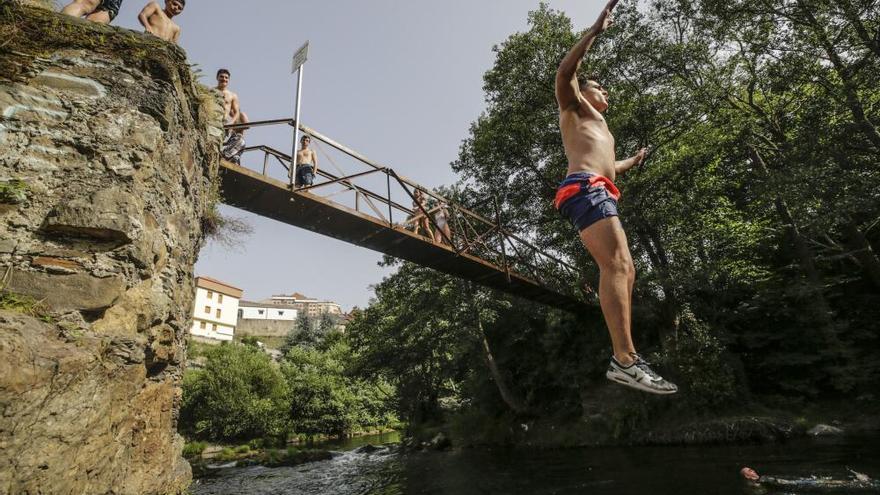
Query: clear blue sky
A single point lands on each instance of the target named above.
(400, 81)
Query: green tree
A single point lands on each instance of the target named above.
(239, 395)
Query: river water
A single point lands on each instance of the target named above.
(588, 471)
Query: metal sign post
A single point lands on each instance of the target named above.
(299, 59)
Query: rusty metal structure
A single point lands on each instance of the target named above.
(367, 207)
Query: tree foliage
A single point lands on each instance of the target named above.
(753, 223)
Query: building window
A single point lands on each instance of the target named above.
(219, 298)
(202, 325)
(214, 327)
(259, 311)
(218, 313)
(210, 294)
(208, 309)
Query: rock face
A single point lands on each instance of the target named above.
(109, 151)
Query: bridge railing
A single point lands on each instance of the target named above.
(378, 191)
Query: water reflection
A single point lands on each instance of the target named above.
(617, 471)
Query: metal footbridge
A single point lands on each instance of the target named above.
(368, 208)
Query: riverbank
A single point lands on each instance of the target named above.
(641, 422)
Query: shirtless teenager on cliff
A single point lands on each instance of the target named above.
(231, 108)
(100, 11)
(588, 198)
(157, 21)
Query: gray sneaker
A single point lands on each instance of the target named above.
(639, 376)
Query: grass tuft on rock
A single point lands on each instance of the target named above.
(27, 305)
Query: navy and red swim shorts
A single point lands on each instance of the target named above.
(585, 198)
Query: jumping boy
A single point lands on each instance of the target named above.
(588, 198)
(157, 21)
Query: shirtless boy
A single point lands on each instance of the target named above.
(100, 11)
(157, 21)
(588, 198)
(230, 100)
(306, 163)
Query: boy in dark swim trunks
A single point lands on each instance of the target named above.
(588, 198)
(100, 11)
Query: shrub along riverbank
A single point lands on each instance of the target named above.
(241, 395)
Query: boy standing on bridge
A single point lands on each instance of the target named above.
(157, 21)
(306, 164)
(588, 198)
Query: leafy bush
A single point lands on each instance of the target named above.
(325, 400)
(239, 395)
(194, 449)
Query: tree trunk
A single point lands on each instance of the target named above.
(862, 251)
(804, 256)
(507, 395)
(650, 240)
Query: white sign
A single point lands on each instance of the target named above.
(300, 57)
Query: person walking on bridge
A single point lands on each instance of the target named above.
(588, 198)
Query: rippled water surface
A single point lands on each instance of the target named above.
(595, 471)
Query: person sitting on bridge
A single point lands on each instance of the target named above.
(857, 483)
(157, 21)
(588, 198)
(306, 164)
(100, 11)
(234, 144)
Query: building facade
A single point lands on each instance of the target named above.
(305, 305)
(248, 310)
(215, 312)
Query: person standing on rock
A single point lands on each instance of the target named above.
(100, 11)
(588, 198)
(157, 21)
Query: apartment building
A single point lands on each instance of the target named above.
(215, 311)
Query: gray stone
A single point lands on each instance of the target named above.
(71, 84)
(108, 215)
(67, 292)
(7, 246)
(822, 430)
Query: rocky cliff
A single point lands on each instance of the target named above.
(108, 150)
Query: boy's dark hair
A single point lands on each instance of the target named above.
(589, 78)
(223, 71)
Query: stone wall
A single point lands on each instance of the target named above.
(109, 151)
(263, 328)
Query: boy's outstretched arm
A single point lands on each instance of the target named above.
(567, 87)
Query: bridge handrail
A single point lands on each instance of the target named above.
(505, 235)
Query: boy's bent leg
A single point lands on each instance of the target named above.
(606, 242)
(101, 17)
(79, 8)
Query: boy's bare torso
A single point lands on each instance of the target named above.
(589, 145)
(305, 157)
(162, 26)
(228, 98)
